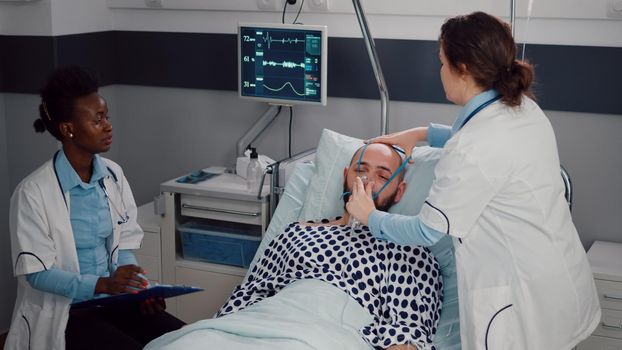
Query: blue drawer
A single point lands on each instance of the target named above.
(209, 244)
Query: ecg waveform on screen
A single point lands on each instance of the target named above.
(280, 64)
(283, 87)
(268, 39)
(284, 64)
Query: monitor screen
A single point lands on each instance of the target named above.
(282, 63)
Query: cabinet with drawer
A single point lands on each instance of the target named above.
(210, 231)
(149, 256)
(606, 262)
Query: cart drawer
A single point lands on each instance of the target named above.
(221, 209)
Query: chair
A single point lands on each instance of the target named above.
(567, 185)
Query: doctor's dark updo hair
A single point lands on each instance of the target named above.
(485, 45)
(58, 97)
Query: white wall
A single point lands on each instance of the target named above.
(571, 22)
(58, 17)
(161, 133)
(25, 18)
(7, 282)
(27, 149)
(589, 147)
(80, 16)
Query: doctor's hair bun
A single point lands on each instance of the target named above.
(484, 45)
(514, 82)
(58, 97)
(39, 125)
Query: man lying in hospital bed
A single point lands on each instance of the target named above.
(311, 310)
(399, 285)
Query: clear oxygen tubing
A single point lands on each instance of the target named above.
(529, 12)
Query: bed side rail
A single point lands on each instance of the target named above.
(280, 172)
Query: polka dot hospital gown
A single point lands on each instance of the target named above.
(400, 286)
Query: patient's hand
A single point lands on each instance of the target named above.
(361, 205)
(402, 347)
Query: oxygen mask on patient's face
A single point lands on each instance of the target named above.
(353, 222)
(364, 179)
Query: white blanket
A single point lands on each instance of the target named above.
(307, 314)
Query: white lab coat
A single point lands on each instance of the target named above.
(524, 281)
(41, 238)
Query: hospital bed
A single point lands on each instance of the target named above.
(313, 314)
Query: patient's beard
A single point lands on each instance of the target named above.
(382, 206)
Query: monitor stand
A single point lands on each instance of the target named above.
(256, 129)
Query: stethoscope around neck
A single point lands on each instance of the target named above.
(478, 109)
(123, 216)
(122, 212)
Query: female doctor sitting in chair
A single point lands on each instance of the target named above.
(73, 226)
(523, 277)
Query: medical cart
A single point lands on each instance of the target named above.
(208, 232)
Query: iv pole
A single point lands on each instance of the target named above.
(513, 16)
(375, 63)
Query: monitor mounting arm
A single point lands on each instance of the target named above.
(256, 129)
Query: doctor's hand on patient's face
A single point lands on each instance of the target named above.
(361, 205)
(125, 279)
(406, 139)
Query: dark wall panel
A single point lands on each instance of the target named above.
(572, 78)
(578, 78)
(26, 62)
(349, 71)
(189, 60)
(410, 68)
(94, 51)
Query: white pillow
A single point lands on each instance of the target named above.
(335, 151)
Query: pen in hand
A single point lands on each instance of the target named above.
(125, 279)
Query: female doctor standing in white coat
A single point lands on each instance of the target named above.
(523, 277)
(73, 226)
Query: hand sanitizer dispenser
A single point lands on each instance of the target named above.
(253, 172)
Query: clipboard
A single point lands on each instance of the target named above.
(158, 291)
